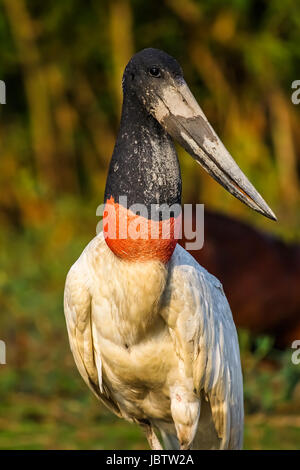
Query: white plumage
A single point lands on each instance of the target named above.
(157, 345)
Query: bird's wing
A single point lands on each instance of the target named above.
(78, 313)
(205, 339)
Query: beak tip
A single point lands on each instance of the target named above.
(274, 218)
(270, 215)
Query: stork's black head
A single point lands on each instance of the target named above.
(155, 79)
(149, 65)
(148, 73)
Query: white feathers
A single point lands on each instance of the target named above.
(157, 343)
(206, 339)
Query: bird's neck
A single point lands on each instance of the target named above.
(144, 170)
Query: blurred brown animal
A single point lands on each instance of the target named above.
(260, 275)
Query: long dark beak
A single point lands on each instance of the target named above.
(179, 113)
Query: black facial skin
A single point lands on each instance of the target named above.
(144, 165)
(139, 79)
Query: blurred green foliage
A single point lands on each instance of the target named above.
(62, 63)
(270, 377)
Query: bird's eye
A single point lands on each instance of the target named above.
(154, 72)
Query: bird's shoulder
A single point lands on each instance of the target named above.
(193, 296)
(182, 262)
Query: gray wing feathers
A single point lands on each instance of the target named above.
(78, 313)
(211, 333)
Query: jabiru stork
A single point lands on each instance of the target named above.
(150, 330)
